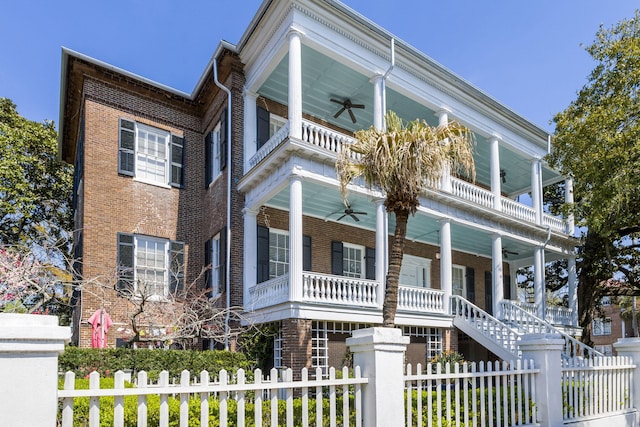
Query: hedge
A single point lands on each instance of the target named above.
(83, 361)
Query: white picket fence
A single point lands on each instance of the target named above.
(597, 386)
(471, 394)
(255, 402)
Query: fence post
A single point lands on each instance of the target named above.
(631, 347)
(546, 352)
(29, 348)
(380, 354)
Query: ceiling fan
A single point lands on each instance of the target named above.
(506, 253)
(346, 105)
(348, 211)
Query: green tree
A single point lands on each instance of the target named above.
(597, 142)
(402, 161)
(35, 187)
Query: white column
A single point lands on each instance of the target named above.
(446, 263)
(29, 348)
(295, 238)
(379, 352)
(250, 125)
(536, 189)
(546, 353)
(295, 84)
(445, 180)
(250, 251)
(538, 282)
(378, 102)
(382, 240)
(496, 184)
(572, 280)
(497, 275)
(568, 198)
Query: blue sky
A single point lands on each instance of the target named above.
(525, 54)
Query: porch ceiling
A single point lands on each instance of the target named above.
(324, 78)
(324, 202)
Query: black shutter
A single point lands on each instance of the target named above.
(222, 259)
(125, 262)
(336, 259)
(224, 138)
(176, 270)
(208, 154)
(370, 263)
(471, 285)
(208, 276)
(507, 287)
(263, 254)
(306, 253)
(488, 293)
(126, 147)
(262, 127)
(177, 161)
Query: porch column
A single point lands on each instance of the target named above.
(538, 282)
(445, 180)
(382, 240)
(497, 275)
(568, 198)
(536, 189)
(250, 141)
(250, 251)
(295, 238)
(496, 189)
(378, 103)
(572, 280)
(446, 264)
(295, 84)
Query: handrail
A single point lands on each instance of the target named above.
(488, 325)
(529, 323)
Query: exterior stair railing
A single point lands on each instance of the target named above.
(527, 323)
(495, 335)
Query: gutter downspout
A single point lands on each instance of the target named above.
(228, 240)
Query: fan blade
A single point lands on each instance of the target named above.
(357, 105)
(343, 215)
(336, 101)
(359, 213)
(353, 117)
(336, 115)
(354, 217)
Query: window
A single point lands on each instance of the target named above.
(415, 271)
(352, 260)
(458, 280)
(214, 260)
(216, 150)
(277, 349)
(607, 350)
(149, 154)
(149, 266)
(601, 326)
(275, 124)
(267, 125)
(278, 253)
(320, 347)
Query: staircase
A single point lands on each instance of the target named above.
(501, 337)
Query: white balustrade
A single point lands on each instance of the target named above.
(412, 298)
(271, 292)
(518, 210)
(471, 193)
(556, 224)
(327, 288)
(270, 145)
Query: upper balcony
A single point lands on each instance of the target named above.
(319, 141)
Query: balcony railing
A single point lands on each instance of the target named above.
(554, 315)
(331, 141)
(326, 288)
(271, 292)
(412, 298)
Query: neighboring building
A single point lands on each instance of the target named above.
(608, 327)
(248, 186)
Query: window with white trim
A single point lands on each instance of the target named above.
(215, 146)
(277, 350)
(151, 155)
(353, 260)
(320, 347)
(415, 271)
(216, 265)
(275, 124)
(458, 280)
(149, 267)
(601, 326)
(278, 253)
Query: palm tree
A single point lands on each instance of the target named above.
(402, 161)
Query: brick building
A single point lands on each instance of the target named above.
(239, 176)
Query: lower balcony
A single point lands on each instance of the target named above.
(345, 291)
